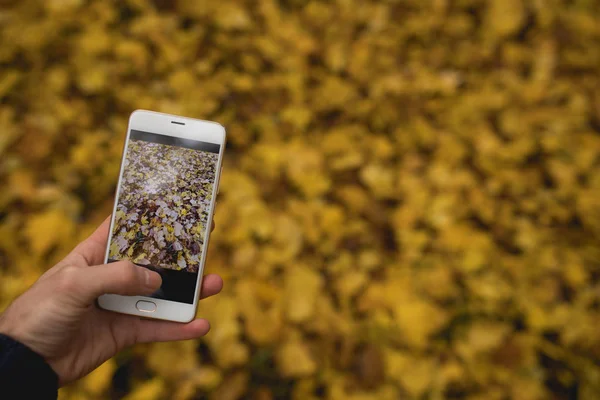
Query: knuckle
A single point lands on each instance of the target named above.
(67, 278)
(129, 273)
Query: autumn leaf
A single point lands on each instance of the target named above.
(47, 229)
(99, 380)
(150, 390)
(294, 359)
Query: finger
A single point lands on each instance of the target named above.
(93, 249)
(164, 331)
(122, 277)
(211, 284)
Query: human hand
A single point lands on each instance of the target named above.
(58, 318)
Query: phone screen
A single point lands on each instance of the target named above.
(162, 212)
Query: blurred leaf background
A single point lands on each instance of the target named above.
(410, 206)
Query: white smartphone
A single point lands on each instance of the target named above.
(163, 210)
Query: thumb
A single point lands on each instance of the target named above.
(121, 277)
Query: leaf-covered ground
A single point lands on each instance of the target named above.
(410, 202)
(163, 205)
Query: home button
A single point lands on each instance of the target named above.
(145, 306)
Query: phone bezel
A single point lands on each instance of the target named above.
(194, 129)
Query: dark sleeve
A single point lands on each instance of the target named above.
(24, 374)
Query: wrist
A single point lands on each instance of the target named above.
(9, 328)
(19, 363)
(4, 325)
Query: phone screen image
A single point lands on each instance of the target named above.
(163, 206)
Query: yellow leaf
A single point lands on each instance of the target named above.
(153, 389)
(294, 359)
(114, 249)
(173, 359)
(379, 179)
(47, 229)
(482, 337)
(414, 374)
(505, 16)
(141, 256)
(208, 377)
(119, 215)
(100, 379)
(418, 319)
(302, 285)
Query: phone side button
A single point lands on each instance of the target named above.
(145, 306)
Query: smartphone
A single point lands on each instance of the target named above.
(163, 210)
